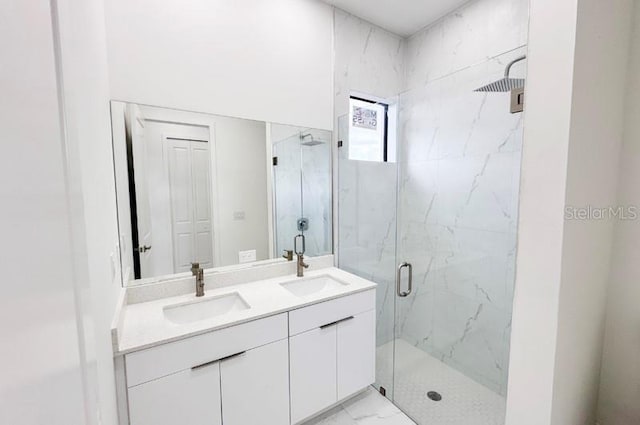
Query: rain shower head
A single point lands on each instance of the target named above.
(505, 84)
(311, 141)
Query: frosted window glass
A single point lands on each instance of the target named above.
(366, 131)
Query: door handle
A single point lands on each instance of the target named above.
(399, 279)
(143, 248)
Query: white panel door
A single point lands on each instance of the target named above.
(312, 372)
(190, 191)
(255, 386)
(356, 353)
(190, 397)
(180, 188)
(143, 210)
(203, 231)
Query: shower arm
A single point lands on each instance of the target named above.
(513, 62)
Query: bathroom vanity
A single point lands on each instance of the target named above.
(263, 351)
(223, 197)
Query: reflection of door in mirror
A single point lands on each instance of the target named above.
(199, 184)
(139, 194)
(189, 189)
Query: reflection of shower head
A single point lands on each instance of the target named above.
(311, 141)
(505, 84)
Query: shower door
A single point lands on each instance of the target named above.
(436, 231)
(367, 194)
(459, 161)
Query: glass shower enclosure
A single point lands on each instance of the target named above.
(301, 176)
(436, 229)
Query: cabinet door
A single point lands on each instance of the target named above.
(356, 353)
(313, 372)
(255, 386)
(190, 397)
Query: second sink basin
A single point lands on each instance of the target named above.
(196, 310)
(304, 287)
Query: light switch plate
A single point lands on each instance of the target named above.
(247, 256)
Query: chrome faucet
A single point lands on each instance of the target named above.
(300, 254)
(198, 272)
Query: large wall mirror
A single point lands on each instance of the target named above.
(217, 190)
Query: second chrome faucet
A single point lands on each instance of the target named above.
(198, 272)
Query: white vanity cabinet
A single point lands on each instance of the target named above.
(255, 386)
(234, 376)
(191, 396)
(332, 352)
(277, 370)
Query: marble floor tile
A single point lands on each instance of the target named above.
(367, 408)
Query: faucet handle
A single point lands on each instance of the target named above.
(194, 268)
(295, 244)
(288, 254)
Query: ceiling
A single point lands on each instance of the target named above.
(402, 17)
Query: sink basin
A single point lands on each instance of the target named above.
(305, 287)
(194, 311)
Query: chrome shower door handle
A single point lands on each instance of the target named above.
(399, 280)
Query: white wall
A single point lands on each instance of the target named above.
(86, 103)
(563, 264)
(263, 60)
(542, 194)
(599, 81)
(51, 369)
(619, 401)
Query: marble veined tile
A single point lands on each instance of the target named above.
(446, 118)
(367, 408)
(480, 30)
(368, 59)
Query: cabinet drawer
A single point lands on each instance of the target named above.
(153, 363)
(317, 315)
(187, 397)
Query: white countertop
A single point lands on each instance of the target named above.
(144, 325)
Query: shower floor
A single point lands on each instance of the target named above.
(464, 401)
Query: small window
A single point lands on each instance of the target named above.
(368, 132)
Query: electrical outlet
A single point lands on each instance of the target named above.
(247, 256)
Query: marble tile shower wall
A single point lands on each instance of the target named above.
(459, 163)
(480, 30)
(456, 209)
